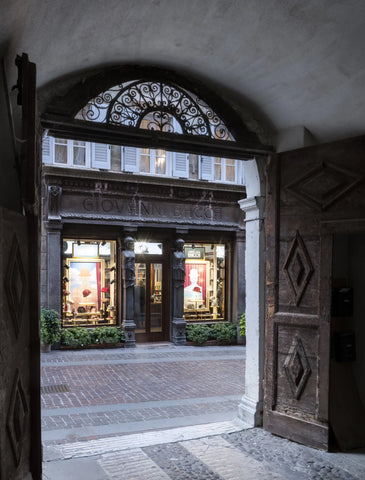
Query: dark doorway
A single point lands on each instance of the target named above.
(347, 389)
(151, 297)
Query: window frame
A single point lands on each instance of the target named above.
(69, 153)
(210, 163)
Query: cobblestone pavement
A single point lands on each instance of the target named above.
(145, 415)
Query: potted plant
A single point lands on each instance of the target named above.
(241, 337)
(50, 329)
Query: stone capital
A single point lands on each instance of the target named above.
(253, 208)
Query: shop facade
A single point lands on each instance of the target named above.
(149, 254)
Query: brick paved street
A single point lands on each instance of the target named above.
(98, 393)
(165, 413)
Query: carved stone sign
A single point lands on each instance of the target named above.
(101, 206)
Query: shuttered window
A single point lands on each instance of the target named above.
(180, 165)
(47, 148)
(206, 168)
(100, 156)
(130, 159)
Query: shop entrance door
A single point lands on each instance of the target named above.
(151, 299)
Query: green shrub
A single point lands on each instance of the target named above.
(50, 326)
(75, 337)
(224, 332)
(103, 335)
(78, 337)
(198, 333)
(242, 324)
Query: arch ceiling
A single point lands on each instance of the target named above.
(280, 64)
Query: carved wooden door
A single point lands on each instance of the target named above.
(20, 438)
(308, 191)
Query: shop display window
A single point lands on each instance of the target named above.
(204, 285)
(89, 282)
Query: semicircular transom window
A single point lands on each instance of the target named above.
(155, 105)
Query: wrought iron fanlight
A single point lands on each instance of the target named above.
(154, 105)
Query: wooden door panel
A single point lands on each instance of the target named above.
(20, 424)
(15, 399)
(308, 190)
(298, 273)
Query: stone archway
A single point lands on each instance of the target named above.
(250, 407)
(62, 118)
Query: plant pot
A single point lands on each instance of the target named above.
(46, 348)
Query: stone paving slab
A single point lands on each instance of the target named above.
(211, 452)
(111, 417)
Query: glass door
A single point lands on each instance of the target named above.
(150, 302)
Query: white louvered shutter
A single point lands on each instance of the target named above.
(100, 156)
(130, 159)
(180, 165)
(206, 168)
(47, 147)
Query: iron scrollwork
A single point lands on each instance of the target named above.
(155, 106)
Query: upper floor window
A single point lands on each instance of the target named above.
(143, 161)
(71, 152)
(75, 153)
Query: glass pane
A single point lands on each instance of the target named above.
(79, 153)
(160, 162)
(144, 161)
(156, 297)
(140, 298)
(60, 151)
(204, 282)
(217, 169)
(230, 170)
(89, 283)
(148, 248)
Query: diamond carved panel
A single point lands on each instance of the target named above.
(15, 284)
(16, 418)
(323, 185)
(298, 268)
(297, 367)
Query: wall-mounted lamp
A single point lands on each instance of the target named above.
(66, 267)
(113, 281)
(65, 279)
(112, 269)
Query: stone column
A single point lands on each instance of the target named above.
(128, 280)
(250, 407)
(178, 279)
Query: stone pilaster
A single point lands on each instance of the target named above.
(250, 407)
(54, 269)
